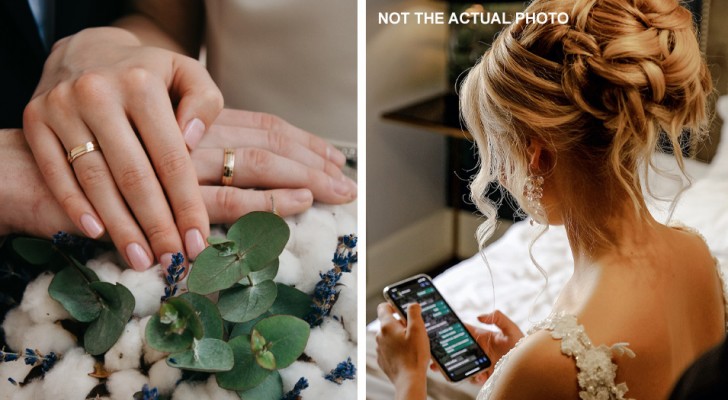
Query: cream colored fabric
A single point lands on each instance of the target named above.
(292, 58)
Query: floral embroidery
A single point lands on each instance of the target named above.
(597, 372)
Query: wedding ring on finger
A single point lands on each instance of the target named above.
(228, 166)
(78, 151)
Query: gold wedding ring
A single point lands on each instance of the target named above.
(78, 151)
(228, 166)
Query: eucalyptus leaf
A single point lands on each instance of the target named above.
(213, 272)
(268, 273)
(223, 245)
(270, 389)
(257, 342)
(266, 359)
(160, 338)
(246, 373)
(261, 236)
(244, 303)
(33, 250)
(245, 328)
(70, 287)
(212, 324)
(117, 308)
(291, 301)
(178, 335)
(206, 355)
(286, 337)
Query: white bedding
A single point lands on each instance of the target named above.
(514, 283)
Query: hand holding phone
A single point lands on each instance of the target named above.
(453, 348)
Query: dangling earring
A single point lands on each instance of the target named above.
(534, 192)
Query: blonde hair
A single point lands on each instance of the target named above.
(596, 93)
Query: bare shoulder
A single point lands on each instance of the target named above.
(537, 369)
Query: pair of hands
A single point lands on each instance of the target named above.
(147, 108)
(403, 349)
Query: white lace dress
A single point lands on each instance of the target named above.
(597, 371)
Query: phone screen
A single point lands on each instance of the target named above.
(452, 345)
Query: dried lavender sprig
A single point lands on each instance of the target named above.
(175, 272)
(295, 393)
(343, 371)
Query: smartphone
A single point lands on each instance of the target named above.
(453, 347)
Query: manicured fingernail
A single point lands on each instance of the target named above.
(341, 186)
(194, 243)
(303, 196)
(92, 227)
(138, 257)
(335, 156)
(193, 132)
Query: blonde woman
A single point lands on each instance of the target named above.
(565, 116)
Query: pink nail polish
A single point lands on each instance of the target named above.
(138, 257)
(92, 227)
(165, 260)
(303, 196)
(194, 243)
(341, 187)
(193, 132)
(336, 156)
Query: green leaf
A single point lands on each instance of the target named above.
(286, 337)
(291, 301)
(246, 373)
(257, 342)
(270, 389)
(243, 303)
(223, 245)
(212, 325)
(266, 359)
(268, 273)
(178, 335)
(118, 305)
(213, 272)
(168, 314)
(160, 338)
(206, 355)
(70, 287)
(33, 250)
(260, 237)
(245, 328)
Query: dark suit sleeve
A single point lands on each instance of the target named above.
(707, 378)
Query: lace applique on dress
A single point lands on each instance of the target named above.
(597, 371)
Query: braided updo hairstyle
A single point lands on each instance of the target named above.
(596, 92)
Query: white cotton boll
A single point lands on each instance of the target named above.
(163, 377)
(328, 345)
(289, 269)
(312, 373)
(127, 351)
(16, 370)
(48, 337)
(16, 324)
(147, 288)
(218, 393)
(150, 355)
(345, 306)
(69, 379)
(316, 233)
(106, 270)
(32, 391)
(191, 391)
(344, 216)
(38, 303)
(123, 384)
(345, 391)
(292, 223)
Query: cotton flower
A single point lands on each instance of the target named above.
(328, 344)
(164, 377)
(31, 391)
(319, 388)
(217, 393)
(345, 307)
(123, 384)
(127, 351)
(48, 337)
(16, 370)
(69, 379)
(16, 324)
(147, 288)
(38, 304)
(289, 269)
(106, 270)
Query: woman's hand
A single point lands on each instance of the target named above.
(102, 85)
(495, 344)
(270, 153)
(403, 352)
